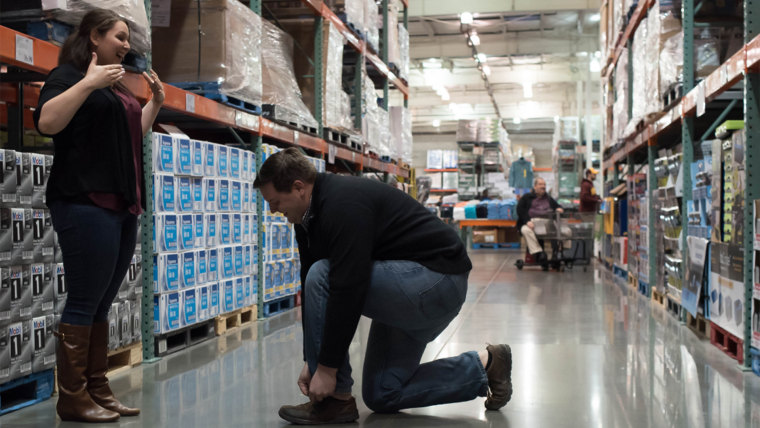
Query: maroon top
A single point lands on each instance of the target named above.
(114, 201)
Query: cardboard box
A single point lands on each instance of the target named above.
(223, 195)
(114, 336)
(20, 338)
(5, 295)
(16, 236)
(43, 356)
(187, 277)
(43, 289)
(43, 236)
(183, 162)
(247, 259)
(197, 188)
(490, 236)
(164, 194)
(21, 292)
(236, 195)
(204, 302)
(201, 267)
(209, 160)
(167, 267)
(237, 229)
(8, 178)
(134, 274)
(213, 265)
(136, 311)
(40, 175)
(163, 153)
(184, 191)
(228, 263)
(210, 222)
(228, 300)
(249, 293)
(239, 293)
(234, 169)
(189, 307)
(238, 264)
(61, 291)
(5, 353)
(214, 297)
(125, 323)
(186, 232)
(210, 202)
(167, 227)
(225, 229)
(222, 162)
(167, 312)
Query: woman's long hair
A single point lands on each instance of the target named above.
(78, 49)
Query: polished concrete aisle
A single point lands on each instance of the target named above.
(588, 352)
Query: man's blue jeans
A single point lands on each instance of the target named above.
(409, 306)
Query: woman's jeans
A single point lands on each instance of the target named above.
(97, 246)
(409, 306)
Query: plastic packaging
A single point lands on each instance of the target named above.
(354, 10)
(639, 75)
(403, 40)
(279, 85)
(72, 12)
(336, 112)
(653, 104)
(671, 50)
(394, 48)
(401, 133)
(467, 131)
(224, 47)
(372, 19)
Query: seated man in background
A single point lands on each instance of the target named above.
(535, 208)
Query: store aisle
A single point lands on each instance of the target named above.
(587, 353)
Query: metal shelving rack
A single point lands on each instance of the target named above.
(744, 66)
(44, 56)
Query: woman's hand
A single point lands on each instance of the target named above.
(101, 76)
(156, 87)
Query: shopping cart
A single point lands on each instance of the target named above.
(571, 237)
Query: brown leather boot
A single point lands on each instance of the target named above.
(97, 367)
(74, 402)
(499, 376)
(328, 411)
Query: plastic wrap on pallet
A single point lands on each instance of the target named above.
(384, 133)
(224, 47)
(707, 50)
(372, 22)
(354, 10)
(403, 40)
(467, 131)
(652, 68)
(334, 97)
(639, 92)
(279, 84)
(394, 47)
(618, 19)
(72, 12)
(620, 106)
(671, 49)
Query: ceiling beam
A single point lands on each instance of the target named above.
(455, 7)
(547, 73)
(499, 45)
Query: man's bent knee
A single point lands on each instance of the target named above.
(382, 401)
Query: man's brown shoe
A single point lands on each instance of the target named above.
(328, 411)
(499, 375)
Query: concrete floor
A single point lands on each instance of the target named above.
(587, 353)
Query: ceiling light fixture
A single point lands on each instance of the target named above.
(466, 18)
(475, 39)
(595, 66)
(594, 17)
(482, 58)
(436, 123)
(516, 120)
(487, 70)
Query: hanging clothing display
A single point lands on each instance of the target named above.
(521, 174)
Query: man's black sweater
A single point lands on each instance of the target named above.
(353, 222)
(523, 207)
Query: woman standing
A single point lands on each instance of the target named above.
(95, 193)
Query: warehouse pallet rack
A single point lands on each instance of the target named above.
(640, 147)
(29, 60)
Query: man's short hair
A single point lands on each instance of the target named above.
(282, 169)
(536, 180)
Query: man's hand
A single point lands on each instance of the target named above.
(304, 379)
(560, 210)
(530, 224)
(322, 383)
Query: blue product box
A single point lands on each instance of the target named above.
(278, 279)
(238, 260)
(184, 194)
(212, 274)
(252, 172)
(222, 161)
(201, 263)
(184, 159)
(210, 194)
(168, 272)
(248, 291)
(187, 279)
(215, 300)
(239, 293)
(170, 308)
(204, 303)
(197, 187)
(225, 229)
(269, 291)
(163, 153)
(190, 305)
(234, 169)
(247, 250)
(168, 230)
(165, 193)
(209, 159)
(228, 302)
(245, 164)
(236, 189)
(197, 169)
(246, 219)
(285, 241)
(246, 196)
(224, 195)
(199, 237)
(228, 263)
(210, 225)
(187, 232)
(237, 229)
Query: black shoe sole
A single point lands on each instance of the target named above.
(298, 421)
(499, 405)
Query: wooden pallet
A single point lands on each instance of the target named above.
(235, 319)
(277, 306)
(173, 341)
(728, 343)
(673, 307)
(26, 391)
(658, 297)
(632, 281)
(643, 288)
(699, 325)
(123, 359)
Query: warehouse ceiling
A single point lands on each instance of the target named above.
(537, 52)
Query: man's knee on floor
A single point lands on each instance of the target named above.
(381, 401)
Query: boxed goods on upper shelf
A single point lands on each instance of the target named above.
(72, 12)
(213, 41)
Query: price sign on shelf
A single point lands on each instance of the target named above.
(190, 103)
(24, 49)
(332, 150)
(701, 98)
